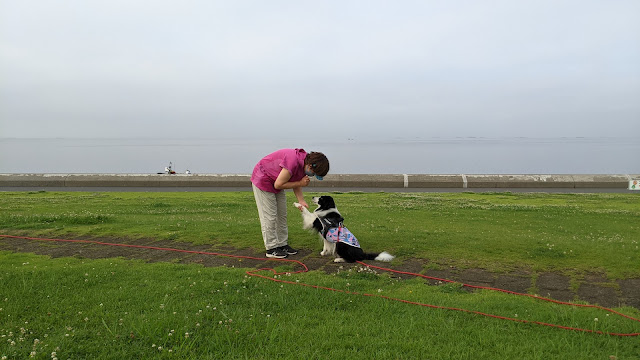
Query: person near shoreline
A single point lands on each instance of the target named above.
(280, 170)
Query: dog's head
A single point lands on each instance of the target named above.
(324, 202)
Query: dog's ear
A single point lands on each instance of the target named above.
(327, 202)
(334, 217)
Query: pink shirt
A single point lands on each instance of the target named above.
(267, 170)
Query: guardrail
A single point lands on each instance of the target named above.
(339, 181)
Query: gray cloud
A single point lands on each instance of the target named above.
(365, 68)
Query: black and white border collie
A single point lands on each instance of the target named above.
(338, 240)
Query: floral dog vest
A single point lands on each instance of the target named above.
(341, 234)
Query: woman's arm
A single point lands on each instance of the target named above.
(282, 182)
(298, 192)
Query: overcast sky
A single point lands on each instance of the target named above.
(343, 69)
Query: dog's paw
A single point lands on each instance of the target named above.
(324, 252)
(338, 260)
(298, 205)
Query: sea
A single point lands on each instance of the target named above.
(460, 155)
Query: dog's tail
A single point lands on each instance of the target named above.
(383, 256)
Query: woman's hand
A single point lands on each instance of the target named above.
(303, 203)
(304, 182)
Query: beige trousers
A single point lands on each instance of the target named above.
(272, 210)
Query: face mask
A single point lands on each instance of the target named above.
(311, 173)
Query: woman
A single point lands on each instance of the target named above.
(283, 169)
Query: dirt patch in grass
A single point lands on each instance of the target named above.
(593, 288)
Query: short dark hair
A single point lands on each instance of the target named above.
(319, 163)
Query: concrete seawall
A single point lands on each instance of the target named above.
(337, 181)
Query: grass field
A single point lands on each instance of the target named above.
(123, 309)
(116, 309)
(496, 231)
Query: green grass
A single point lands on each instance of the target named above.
(124, 309)
(497, 231)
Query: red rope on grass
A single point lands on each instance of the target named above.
(507, 291)
(274, 277)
